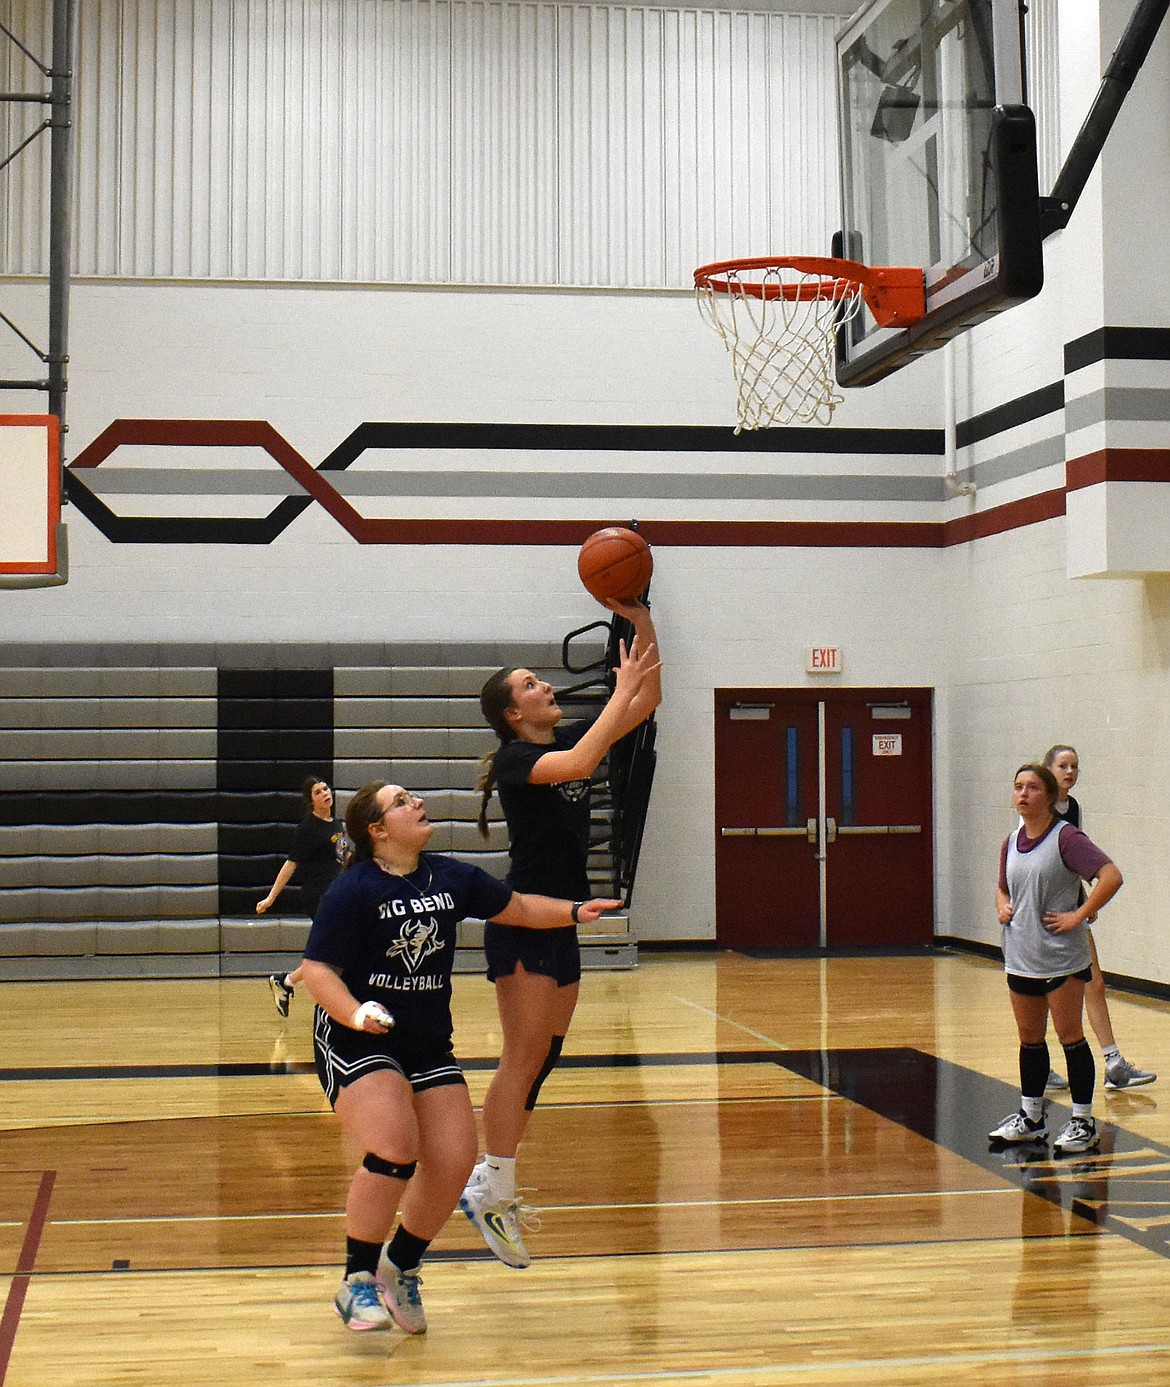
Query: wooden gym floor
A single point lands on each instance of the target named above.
(751, 1171)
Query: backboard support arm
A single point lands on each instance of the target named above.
(1131, 52)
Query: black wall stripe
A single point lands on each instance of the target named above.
(633, 438)
(1021, 410)
(1117, 344)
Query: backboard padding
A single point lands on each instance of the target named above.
(30, 499)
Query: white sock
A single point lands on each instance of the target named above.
(1110, 1053)
(1032, 1108)
(499, 1174)
(1083, 1110)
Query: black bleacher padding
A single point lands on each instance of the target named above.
(284, 685)
(241, 900)
(246, 840)
(246, 713)
(274, 728)
(299, 744)
(251, 870)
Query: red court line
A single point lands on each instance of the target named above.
(10, 1319)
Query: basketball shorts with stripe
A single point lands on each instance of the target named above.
(343, 1055)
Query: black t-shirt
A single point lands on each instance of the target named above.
(548, 825)
(318, 848)
(393, 937)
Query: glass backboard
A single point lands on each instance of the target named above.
(938, 168)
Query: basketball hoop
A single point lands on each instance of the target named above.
(778, 317)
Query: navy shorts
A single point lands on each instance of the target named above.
(1041, 987)
(552, 953)
(343, 1055)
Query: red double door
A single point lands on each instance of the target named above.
(823, 818)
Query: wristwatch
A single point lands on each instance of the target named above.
(576, 912)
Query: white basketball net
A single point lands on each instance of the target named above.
(782, 344)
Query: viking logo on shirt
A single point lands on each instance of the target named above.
(572, 790)
(415, 943)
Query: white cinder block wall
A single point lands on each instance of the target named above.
(1036, 656)
(1019, 654)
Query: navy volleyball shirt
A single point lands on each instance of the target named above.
(393, 937)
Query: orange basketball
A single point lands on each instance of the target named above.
(615, 562)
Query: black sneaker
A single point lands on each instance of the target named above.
(282, 994)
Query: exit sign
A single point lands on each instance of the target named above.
(823, 659)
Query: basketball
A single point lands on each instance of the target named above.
(616, 563)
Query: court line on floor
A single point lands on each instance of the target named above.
(769, 1371)
(555, 1208)
(727, 1021)
(25, 1261)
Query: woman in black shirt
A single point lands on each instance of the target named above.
(316, 855)
(542, 773)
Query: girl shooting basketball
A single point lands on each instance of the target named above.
(542, 771)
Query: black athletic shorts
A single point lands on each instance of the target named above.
(553, 953)
(343, 1055)
(1041, 987)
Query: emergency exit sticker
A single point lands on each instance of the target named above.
(823, 659)
(887, 744)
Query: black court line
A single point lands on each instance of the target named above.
(1123, 1187)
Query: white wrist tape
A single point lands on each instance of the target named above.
(371, 1011)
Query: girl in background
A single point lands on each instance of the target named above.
(316, 855)
(1043, 910)
(1065, 765)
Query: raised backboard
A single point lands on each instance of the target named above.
(31, 533)
(938, 168)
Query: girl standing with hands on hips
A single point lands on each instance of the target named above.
(378, 964)
(1046, 954)
(1064, 763)
(542, 773)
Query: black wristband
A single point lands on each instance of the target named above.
(576, 911)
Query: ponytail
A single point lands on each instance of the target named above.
(360, 814)
(495, 698)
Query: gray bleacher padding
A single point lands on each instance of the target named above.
(259, 935)
(407, 712)
(370, 743)
(58, 939)
(90, 730)
(107, 712)
(108, 775)
(107, 743)
(91, 681)
(419, 776)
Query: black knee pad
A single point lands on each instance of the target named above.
(377, 1166)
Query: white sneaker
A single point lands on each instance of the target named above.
(500, 1222)
(359, 1304)
(402, 1298)
(1016, 1128)
(1079, 1135)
